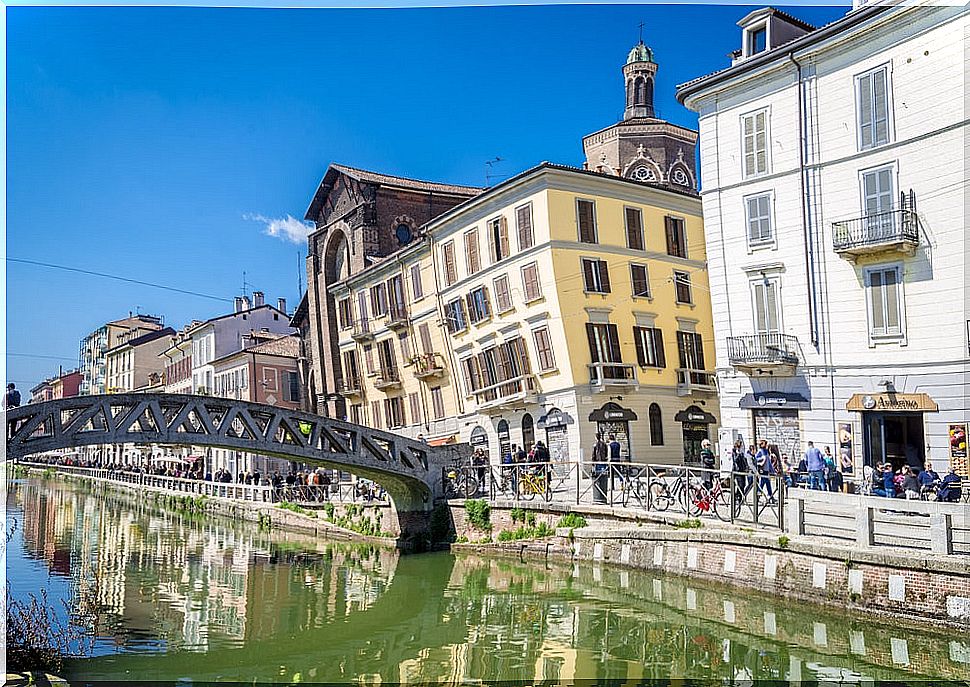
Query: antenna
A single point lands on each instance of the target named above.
(245, 285)
(488, 169)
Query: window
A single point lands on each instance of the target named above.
(351, 370)
(471, 374)
(544, 353)
(872, 105)
(503, 299)
(586, 219)
(523, 225)
(362, 308)
(682, 287)
(641, 283)
(472, 261)
(634, 228)
(378, 300)
(355, 414)
(437, 403)
(498, 239)
(385, 355)
(531, 290)
(291, 392)
(656, 425)
(375, 414)
(885, 301)
(877, 202)
(604, 343)
(406, 351)
(676, 237)
(757, 39)
(478, 306)
(369, 359)
(690, 348)
(395, 293)
(415, 401)
(417, 288)
(424, 332)
(343, 313)
(758, 213)
(767, 316)
(650, 346)
(455, 316)
(596, 275)
(448, 258)
(755, 136)
(394, 412)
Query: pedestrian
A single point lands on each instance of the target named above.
(832, 476)
(766, 469)
(12, 398)
(600, 454)
(708, 463)
(815, 464)
(950, 487)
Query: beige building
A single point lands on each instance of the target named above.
(134, 362)
(95, 346)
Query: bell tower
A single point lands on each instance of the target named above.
(642, 146)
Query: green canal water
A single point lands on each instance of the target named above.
(177, 599)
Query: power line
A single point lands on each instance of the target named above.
(46, 357)
(118, 278)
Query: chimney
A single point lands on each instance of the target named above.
(245, 302)
(237, 304)
(281, 304)
(257, 298)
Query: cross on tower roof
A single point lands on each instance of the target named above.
(641, 32)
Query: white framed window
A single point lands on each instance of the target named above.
(417, 286)
(503, 295)
(766, 305)
(757, 211)
(872, 96)
(884, 299)
(545, 355)
(523, 225)
(754, 143)
(596, 275)
(640, 280)
(586, 220)
(479, 308)
(682, 288)
(531, 289)
(878, 200)
(756, 39)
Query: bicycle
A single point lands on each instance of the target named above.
(531, 483)
(460, 483)
(689, 495)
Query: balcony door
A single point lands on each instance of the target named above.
(604, 347)
(877, 201)
(385, 354)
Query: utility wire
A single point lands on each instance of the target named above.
(46, 357)
(116, 277)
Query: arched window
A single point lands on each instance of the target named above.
(630, 87)
(656, 426)
(528, 432)
(640, 92)
(504, 444)
(648, 93)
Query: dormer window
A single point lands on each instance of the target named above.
(757, 39)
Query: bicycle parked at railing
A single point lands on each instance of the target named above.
(460, 482)
(533, 482)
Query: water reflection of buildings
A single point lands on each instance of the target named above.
(144, 572)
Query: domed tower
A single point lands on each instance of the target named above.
(643, 146)
(639, 72)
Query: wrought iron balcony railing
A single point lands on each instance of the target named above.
(428, 365)
(349, 386)
(614, 374)
(388, 377)
(362, 330)
(763, 351)
(506, 392)
(397, 316)
(689, 380)
(889, 230)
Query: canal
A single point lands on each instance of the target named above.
(180, 598)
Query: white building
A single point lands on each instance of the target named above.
(835, 194)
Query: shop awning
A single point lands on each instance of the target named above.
(775, 399)
(695, 414)
(893, 402)
(612, 412)
(554, 418)
(441, 441)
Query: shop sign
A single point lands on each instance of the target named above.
(958, 441)
(892, 403)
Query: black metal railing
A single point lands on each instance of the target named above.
(891, 226)
(763, 349)
(427, 365)
(361, 328)
(611, 373)
(397, 315)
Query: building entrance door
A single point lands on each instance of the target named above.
(896, 438)
(694, 434)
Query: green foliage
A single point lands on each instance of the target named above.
(518, 514)
(783, 541)
(49, 473)
(328, 509)
(689, 524)
(533, 532)
(479, 514)
(17, 471)
(286, 505)
(530, 519)
(355, 520)
(572, 521)
(265, 521)
(462, 540)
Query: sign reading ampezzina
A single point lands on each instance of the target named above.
(890, 402)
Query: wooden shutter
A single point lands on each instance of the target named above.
(417, 288)
(362, 306)
(592, 338)
(369, 358)
(503, 300)
(641, 287)
(613, 338)
(587, 220)
(530, 282)
(523, 216)
(472, 262)
(698, 352)
(415, 409)
(658, 344)
(425, 333)
(634, 229)
(588, 278)
(448, 252)
(638, 334)
(682, 349)
(604, 270)
(503, 236)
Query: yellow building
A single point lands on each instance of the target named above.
(577, 302)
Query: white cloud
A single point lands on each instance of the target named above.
(288, 228)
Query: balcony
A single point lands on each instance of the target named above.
(890, 231)
(362, 330)
(428, 366)
(602, 375)
(349, 387)
(397, 316)
(511, 393)
(771, 354)
(388, 378)
(689, 381)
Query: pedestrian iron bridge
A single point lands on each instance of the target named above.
(409, 470)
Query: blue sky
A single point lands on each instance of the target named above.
(156, 143)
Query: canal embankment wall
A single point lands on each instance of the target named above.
(916, 585)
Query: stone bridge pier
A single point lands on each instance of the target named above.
(409, 470)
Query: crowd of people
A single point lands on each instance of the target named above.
(912, 483)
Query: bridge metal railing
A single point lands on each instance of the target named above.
(693, 492)
(300, 494)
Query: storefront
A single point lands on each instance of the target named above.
(775, 418)
(695, 428)
(893, 427)
(504, 439)
(555, 424)
(479, 439)
(613, 420)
